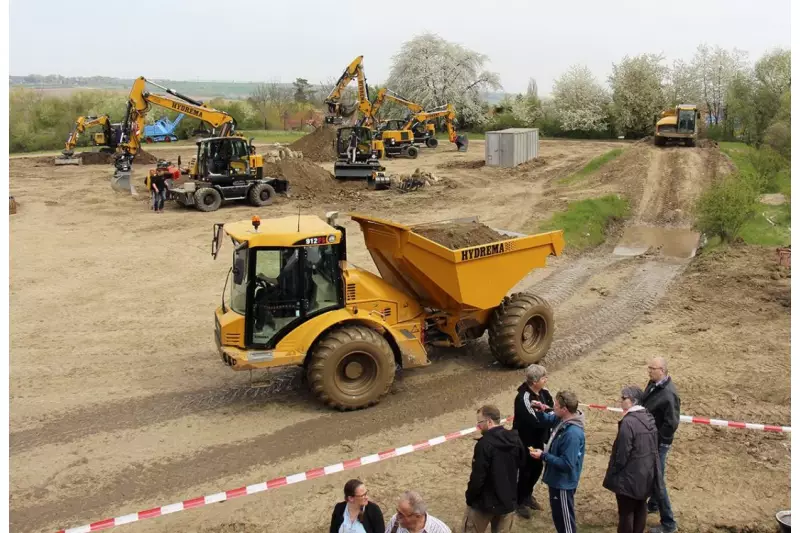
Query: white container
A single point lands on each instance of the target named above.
(511, 147)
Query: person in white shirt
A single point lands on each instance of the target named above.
(412, 516)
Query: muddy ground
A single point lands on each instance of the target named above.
(119, 401)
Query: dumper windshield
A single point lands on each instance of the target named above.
(686, 118)
(291, 285)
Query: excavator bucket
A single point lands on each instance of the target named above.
(462, 143)
(121, 182)
(67, 158)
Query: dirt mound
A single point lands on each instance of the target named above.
(318, 145)
(707, 143)
(306, 180)
(457, 235)
(463, 164)
(105, 158)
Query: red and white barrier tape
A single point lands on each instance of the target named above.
(354, 463)
(706, 421)
(271, 484)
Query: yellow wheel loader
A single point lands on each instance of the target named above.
(677, 125)
(296, 301)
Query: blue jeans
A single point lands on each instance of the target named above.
(158, 200)
(662, 500)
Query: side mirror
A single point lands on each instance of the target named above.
(216, 241)
(238, 270)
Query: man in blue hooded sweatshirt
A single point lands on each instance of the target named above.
(563, 458)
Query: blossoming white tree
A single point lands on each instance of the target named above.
(580, 101)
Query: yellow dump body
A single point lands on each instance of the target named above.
(474, 278)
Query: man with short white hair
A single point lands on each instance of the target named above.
(412, 516)
(662, 401)
(534, 432)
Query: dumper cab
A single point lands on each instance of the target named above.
(293, 299)
(677, 125)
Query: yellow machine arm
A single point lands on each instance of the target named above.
(140, 100)
(387, 94)
(355, 70)
(446, 111)
(81, 125)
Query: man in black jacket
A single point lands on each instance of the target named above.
(534, 432)
(492, 489)
(662, 401)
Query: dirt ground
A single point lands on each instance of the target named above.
(119, 401)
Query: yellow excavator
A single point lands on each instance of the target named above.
(106, 139)
(296, 300)
(422, 128)
(226, 167)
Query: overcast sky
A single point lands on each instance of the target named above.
(244, 40)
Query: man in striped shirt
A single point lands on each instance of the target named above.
(412, 516)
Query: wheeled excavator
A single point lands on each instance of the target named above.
(418, 121)
(106, 139)
(357, 159)
(226, 167)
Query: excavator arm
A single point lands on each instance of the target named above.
(449, 113)
(140, 101)
(81, 125)
(387, 94)
(337, 110)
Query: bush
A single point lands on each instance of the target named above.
(766, 163)
(725, 207)
(779, 137)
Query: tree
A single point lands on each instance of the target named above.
(433, 72)
(683, 84)
(301, 90)
(581, 103)
(716, 70)
(280, 98)
(259, 99)
(533, 89)
(637, 85)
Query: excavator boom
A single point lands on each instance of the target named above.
(449, 113)
(336, 110)
(139, 103)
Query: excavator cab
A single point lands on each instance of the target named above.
(359, 155)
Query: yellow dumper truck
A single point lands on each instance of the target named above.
(677, 125)
(295, 300)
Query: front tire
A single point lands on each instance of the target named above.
(521, 330)
(207, 199)
(352, 367)
(412, 152)
(432, 142)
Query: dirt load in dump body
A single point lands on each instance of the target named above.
(457, 235)
(317, 146)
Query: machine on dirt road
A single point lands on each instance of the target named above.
(222, 172)
(295, 300)
(677, 125)
(106, 139)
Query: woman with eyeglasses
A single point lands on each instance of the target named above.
(356, 514)
(633, 469)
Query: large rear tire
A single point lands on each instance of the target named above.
(262, 194)
(207, 199)
(352, 367)
(521, 330)
(431, 142)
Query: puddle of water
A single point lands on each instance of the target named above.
(674, 242)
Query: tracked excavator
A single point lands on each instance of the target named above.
(106, 139)
(226, 167)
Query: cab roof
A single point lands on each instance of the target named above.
(280, 232)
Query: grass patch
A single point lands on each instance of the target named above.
(758, 230)
(592, 166)
(586, 222)
(744, 156)
(472, 136)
